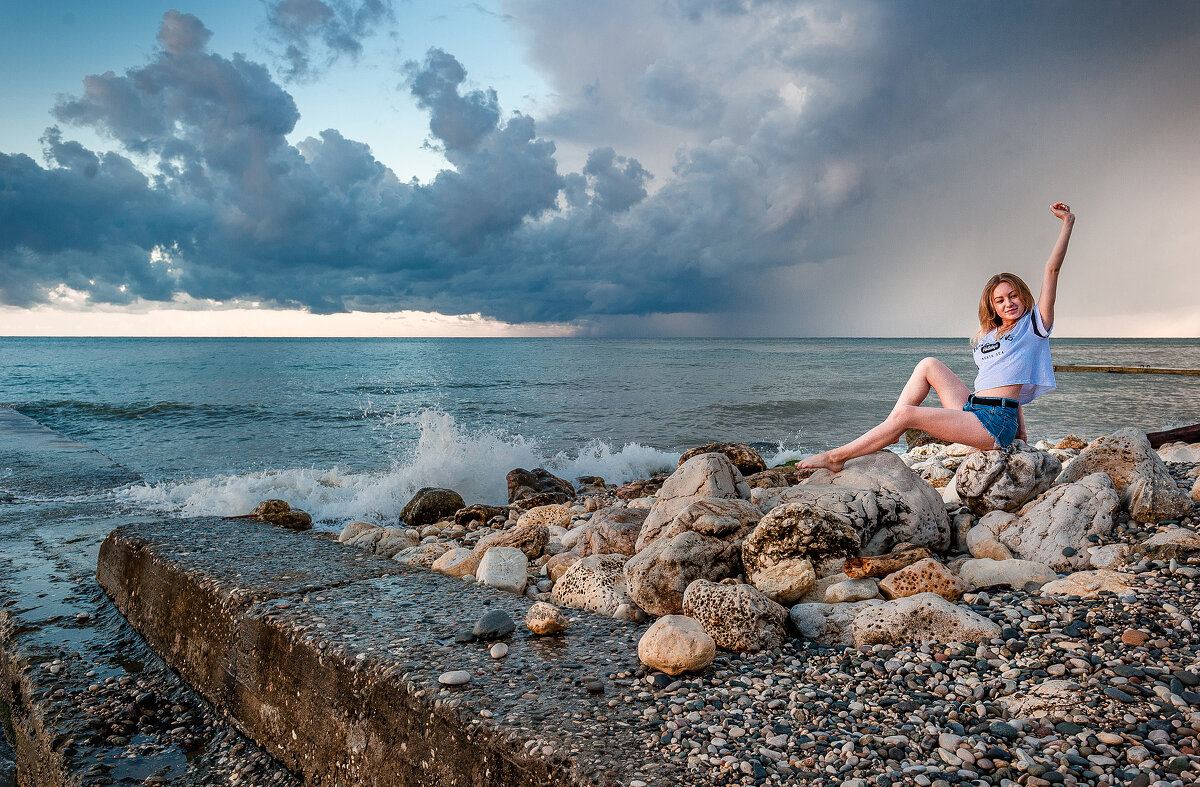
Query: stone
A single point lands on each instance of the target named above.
(776, 477)
(393, 540)
(494, 624)
(795, 531)
(1087, 584)
(1141, 479)
(657, 576)
(555, 515)
(279, 513)
(477, 515)
(982, 543)
(429, 505)
(729, 520)
(1064, 517)
(881, 565)
(611, 531)
(1048, 698)
(503, 568)
(744, 458)
(924, 576)
(676, 644)
(595, 583)
(923, 618)
(1185, 453)
(852, 590)
(785, 582)
(828, 624)
(355, 529)
(647, 487)
(1110, 556)
(737, 616)
(921, 521)
(1196, 491)
(915, 438)
(1004, 480)
(1071, 443)
(457, 677)
(1174, 543)
(457, 562)
(703, 476)
(530, 538)
(1016, 574)
(366, 539)
(545, 619)
(423, 556)
(558, 564)
(524, 484)
(498, 651)
(1134, 638)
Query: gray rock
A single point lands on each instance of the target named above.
(828, 624)
(610, 531)
(503, 568)
(703, 476)
(1143, 482)
(658, 575)
(925, 617)
(494, 624)
(1177, 542)
(1063, 518)
(1003, 480)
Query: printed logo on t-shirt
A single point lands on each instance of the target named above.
(987, 348)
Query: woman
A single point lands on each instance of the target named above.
(1012, 350)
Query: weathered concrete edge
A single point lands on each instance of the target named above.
(265, 675)
(37, 762)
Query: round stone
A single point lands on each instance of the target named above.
(494, 624)
(498, 651)
(456, 677)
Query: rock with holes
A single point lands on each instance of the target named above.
(503, 568)
(796, 531)
(703, 476)
(611, 531)
(429, 505)
(737, 616)
(880, 566)
(595, 583)
(1054, 529)
(984, 573)
(676, 644)
(1004, 480)
(744, 458)
(922, 519)
(545, 619)
(923, 618)
(924, 576)
(477, 515)
(555, 515)
(867, 510)
(530, 538)
(1141, 479)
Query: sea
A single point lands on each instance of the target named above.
(349, 429)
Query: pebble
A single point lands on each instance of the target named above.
(494, 624)
(498, 651)
(454, 677)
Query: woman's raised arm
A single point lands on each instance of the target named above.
(1054, 264)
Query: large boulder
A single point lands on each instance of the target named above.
(611, 531)
(423, 556)
(595, 583)
(477, 515)
(529, 538)
(1001, 480)
(393, 540)
(923, 520)
(539, 482)
(503, 568)
(985, 572)
(868, 510)
(1174, 543)
(355, 529)
(1054, 529)
(1187, 453)
(675, 644)
(796, 531)
(429, 505)
(923, 618)
(703, 476)
(658, 575)
(828, 624)
(744, 458)
(736, 616)
(924, 576)
(457, 562)
(278, 512)
(1142, 480)
(983, 544)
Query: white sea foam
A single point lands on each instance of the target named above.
(471, 462)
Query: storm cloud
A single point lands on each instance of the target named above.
(756, 167)
(315, 33)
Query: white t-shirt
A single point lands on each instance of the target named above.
(1019, 357)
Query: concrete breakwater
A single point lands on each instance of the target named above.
(330, 658)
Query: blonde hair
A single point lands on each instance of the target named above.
(988, 319)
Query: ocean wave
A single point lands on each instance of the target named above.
(471, 462)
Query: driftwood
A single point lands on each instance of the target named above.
(882, 565)
(1182, 434)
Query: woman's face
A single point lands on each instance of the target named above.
(1007, 303)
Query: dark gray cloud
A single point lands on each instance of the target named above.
(753, 167)
(323, 31)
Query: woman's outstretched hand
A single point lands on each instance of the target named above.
(1062, 211)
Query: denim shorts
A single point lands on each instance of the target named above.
(1000, 421)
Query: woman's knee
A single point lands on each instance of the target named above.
(901, 416)
(929, 365)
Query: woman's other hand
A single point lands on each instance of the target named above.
(1062, 211)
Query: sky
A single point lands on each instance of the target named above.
(553, 167)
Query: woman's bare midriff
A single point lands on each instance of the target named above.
(1003, 392)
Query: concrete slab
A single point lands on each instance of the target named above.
(338, 678)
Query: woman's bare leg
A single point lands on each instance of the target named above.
(949, 422)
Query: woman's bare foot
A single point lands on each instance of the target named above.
(823, 459)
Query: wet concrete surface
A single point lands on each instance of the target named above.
(89, 702)
(330, 657)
